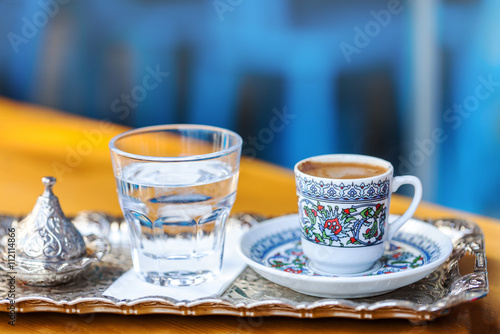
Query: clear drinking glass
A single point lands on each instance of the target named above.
(176, 185)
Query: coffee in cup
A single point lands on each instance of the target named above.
(341, 170)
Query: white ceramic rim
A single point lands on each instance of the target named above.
(355, 158)
(434, 234)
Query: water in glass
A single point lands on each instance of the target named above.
(176, 213)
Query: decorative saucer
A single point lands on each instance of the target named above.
(273, 249)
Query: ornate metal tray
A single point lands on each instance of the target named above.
(251, 295)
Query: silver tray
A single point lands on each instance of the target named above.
(250, 295)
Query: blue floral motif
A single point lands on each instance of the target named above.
(430, 249)
(262, 247)
(342, 192)
(284, 252)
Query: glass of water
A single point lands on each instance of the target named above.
(176, 186)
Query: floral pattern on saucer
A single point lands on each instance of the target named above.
(283, 252)
(418, 249)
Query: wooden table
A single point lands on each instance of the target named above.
(36, 142)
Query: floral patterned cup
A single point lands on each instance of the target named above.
(344, 222)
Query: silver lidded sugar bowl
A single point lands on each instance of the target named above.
(49, 248)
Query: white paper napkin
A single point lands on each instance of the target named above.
(129, 286)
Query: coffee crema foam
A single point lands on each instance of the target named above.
(341, 170)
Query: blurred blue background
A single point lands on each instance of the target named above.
(414, 82)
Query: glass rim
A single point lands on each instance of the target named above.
(154, 128)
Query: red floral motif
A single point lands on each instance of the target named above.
(313, 211)
(320, 207)
(333, 225)
(353, 239)
(378, 206)
(293, 271)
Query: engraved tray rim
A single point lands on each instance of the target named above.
(466, 235)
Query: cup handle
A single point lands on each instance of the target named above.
(397, 182)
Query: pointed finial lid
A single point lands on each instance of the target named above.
(46, 234)
(48, 182)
